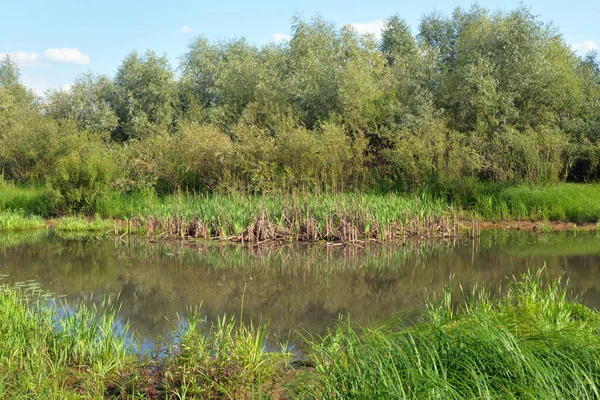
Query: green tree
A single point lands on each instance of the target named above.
(87, 104)
(144, 96)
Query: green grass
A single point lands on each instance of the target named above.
(533, 343)
(18, 221)
(82, 224)
(345, 216)
(325, 216)
(49, 350)
(30, 199)
(570, 202)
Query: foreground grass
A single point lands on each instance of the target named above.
(532, 343)
(51, 351)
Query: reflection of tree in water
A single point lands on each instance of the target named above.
(296, 287)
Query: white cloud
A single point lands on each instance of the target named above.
(67, 55)
(585, 46)
(39, 85)
(281, 37)
(22, 58)
(185, 29)
(374, 27)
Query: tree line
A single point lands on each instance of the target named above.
(474, 95)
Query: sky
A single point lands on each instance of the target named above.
(55, 41)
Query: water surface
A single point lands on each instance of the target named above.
(295, 288)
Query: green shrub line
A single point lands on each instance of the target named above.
(446, 103)
(535, 341)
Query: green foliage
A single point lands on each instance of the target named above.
(476, 95)
(144, 95)
(81, 176)
(87, 104)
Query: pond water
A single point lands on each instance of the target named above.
(298, 288)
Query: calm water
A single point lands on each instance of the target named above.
(294, 288)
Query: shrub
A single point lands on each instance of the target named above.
(82, 175)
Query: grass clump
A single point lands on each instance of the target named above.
(18, 221)
(82, 224)
(47, 351)
(225, 360)
(532, 343)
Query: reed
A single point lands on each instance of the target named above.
(347, 217)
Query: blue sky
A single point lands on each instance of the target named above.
(54, 41)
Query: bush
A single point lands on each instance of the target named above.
(81, 176)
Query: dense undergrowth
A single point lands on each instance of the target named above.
(533, 342)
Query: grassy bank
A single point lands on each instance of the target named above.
(343, 217)
(52, 351)
(534, 342)
(568, 202)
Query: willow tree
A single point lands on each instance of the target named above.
(87, 104)
(144, 96)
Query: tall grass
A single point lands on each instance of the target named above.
(225, 360)
(341, 217)
(560, 202)
(46, 352)
(532, 343)
(30, 199)
(18, 221)
(309, 217)
(49, 350)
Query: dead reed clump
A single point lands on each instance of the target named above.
(304, 227)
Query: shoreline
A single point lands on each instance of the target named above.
(179, 229)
